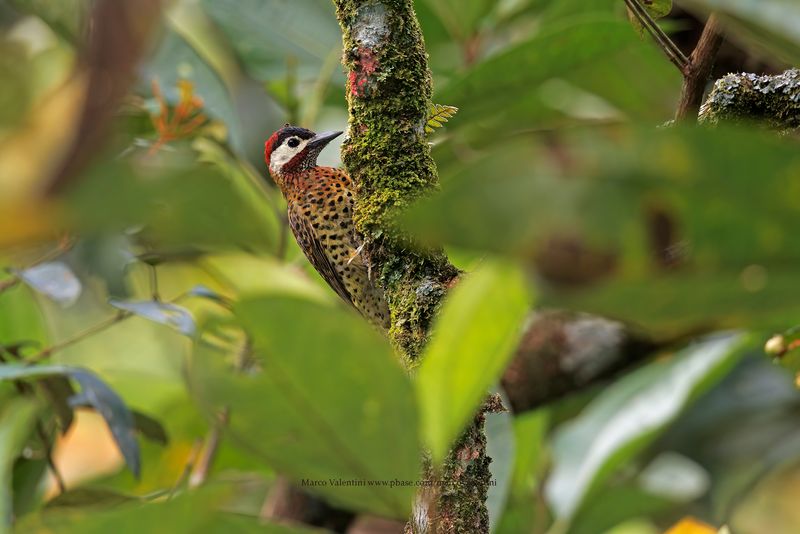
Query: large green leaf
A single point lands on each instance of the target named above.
(628, 415)
(16, 422)
(770, 25)
(474, 337)
(328, 402)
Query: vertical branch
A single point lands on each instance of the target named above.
(699, 69)
(696, 69)
(670, 49)
(389, 96)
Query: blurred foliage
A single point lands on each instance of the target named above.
(164, 292)
(479, 328)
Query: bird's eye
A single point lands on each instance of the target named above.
(293, 142)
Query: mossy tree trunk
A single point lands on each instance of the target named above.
(389, 95)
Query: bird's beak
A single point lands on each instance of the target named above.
(322, 139)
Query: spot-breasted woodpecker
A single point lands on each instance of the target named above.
(320, 202)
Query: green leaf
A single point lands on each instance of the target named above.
(629, 415)
(772, 26)
(657, 9)
(150, 427)
(95, 393)
(327, 401)
(475, 335)
(20, 319)
(16, 423)
(439, 114)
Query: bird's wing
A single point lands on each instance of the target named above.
(315, 252)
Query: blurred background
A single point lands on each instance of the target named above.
(135, 207)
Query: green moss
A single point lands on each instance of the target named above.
(772, 100)
(387, 154)
(388, 95)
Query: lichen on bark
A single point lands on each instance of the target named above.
(770, 100)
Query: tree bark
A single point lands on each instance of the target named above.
(386, 153)
(698, 71)
(770, 100)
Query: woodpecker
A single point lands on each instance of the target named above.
(320, 205)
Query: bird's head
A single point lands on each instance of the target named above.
(292, 149)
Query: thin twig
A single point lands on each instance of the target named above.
(200, 473)
(699, 69)
(99, 327)
(120, 316)
(675, 55)
(187, 469)
(5, 285)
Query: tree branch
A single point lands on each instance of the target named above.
(389, 95)
(562, 353)
(670, 49)
(698, 70)
(387, 154)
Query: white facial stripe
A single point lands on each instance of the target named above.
(284, 153)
